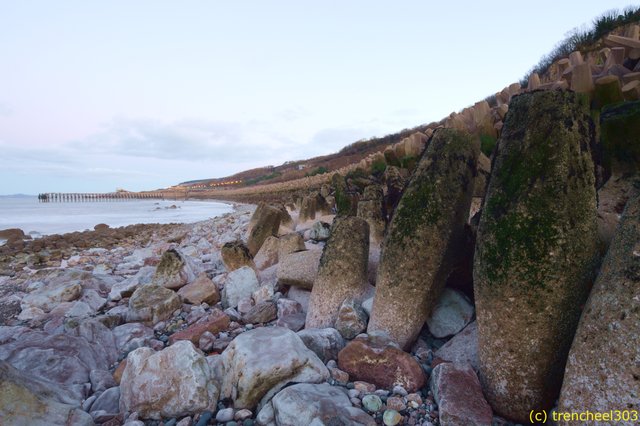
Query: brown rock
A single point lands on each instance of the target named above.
(152, 303)
(261, 313)
(235, 255)
(343, 271)
(267, 223)
(377, 360)
(175, 270)
(117, 374)
(458, 394)
(12, 234)
(290, 243)
(202, 290)
(603, 372)
(215, 322)
(426, 230)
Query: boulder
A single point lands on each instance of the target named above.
(311, 404)
(213, 322)
(202, 290)
(152, 303)
(267, 222)
(326, 343)
(12, 234)
(450, 315)
(175, 270)
(48, 297)
(299, 269)
(132, 336)
(376, 359)
(268, 254)
(351, 319)
(108, 401)
(537, 236)
(126, 287)
(30, 400)
(174, 382)
(394, 182)
(462, 349)
(239, 284)
(343, 271)
(458, 394)
(425, 233)
(262, 312)
(602, 370)
(235, 255)
(260, 362)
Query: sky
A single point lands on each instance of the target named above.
(145, 94)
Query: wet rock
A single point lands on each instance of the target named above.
(299, 269)
(602, 370)
(152, 303)
(343, 271)
(27, 399)
(326, 343)
(260, 362)
(376, 359)
(175, 270)
(202, 290)
(537, 236)
(458, 394)
(426, 229)
(450, 315)
(306, 404)
(235, 255)
(172, 383)
(239, 284)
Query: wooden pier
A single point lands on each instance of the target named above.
(62, 197)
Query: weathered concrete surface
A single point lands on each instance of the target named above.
(603, 369)
(535, 252)
(426, 231)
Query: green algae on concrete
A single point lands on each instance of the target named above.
(536, 250)
(424, 235)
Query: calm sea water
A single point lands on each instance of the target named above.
(37, 218)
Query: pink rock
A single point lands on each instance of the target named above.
(288, 307)
(462, 349)
(459, 396)
(199, 291)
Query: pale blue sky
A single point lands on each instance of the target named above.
(145, 94)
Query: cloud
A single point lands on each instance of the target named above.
(5, 110)
(187, 139)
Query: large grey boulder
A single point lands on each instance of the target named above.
(343, 271)
(239, 284)
(310, 404)
(426, 231)
(30, 400)
(536, 251)
(174, 382)
(602, 371)
(260, 362)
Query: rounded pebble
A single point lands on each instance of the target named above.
(399, 390)
(224, 415)
(204, 418)
(372, 403)
(391, 417)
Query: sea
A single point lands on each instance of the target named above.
(38, 219)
